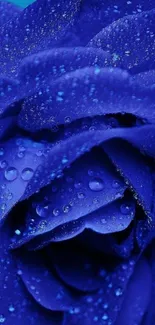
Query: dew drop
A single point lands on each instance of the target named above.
(27, 174)
(17, 232)
(1, 151)
(56, 212)
(66, 208)
(10, 196)
(64, 160)
(39, 153)
(11, 309)
(78, 185)
(3, 164)
(90, 172)
(81, 195)
(2, 319)
(19, 272)
(105, 306)
(105, 316)
(116, 184)
(95, 318)
(103, 221)
(11, 174)
(42, 210)
(3, 207)
(20, 154)
(118, 292)
(125, 208)
(96, 184)
(67, 119)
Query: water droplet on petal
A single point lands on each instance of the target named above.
(96, 184)
(118, 292)
(10, 196)
(56, 212)
(105, 306)
(19, 272)
(116, 184)
(39, 153)
(17, 232)
(105, 316)
(66, 208)
(11, 309)
(2, 319)
(67, 119)
(90, 172)
(11, 174)
(81, 195)
(125, 208)
(1, 151)
(20, 154)
(103, 221)
(27, 174)
(3, 207)
(3, 164)
(64, 160)
(42, 210)
(77, 185)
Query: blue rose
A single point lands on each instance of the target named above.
(77, 173)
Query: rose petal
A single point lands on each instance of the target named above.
(135, 170)
(136, 302)
(35, 29)
(51, 64)
(60, 156)
(96, 14)
(105, 305)
(39, 69)
(43, 285)
(81, 270)
(8, 11)
(145, 79)
(150, 313)
(105, 220)
(83, 93)
(19, 159)
(16, 305)
(125, 40)
(80, 192)
(7, 125)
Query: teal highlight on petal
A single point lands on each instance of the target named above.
(21, 3)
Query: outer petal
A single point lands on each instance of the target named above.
(7, 12)
(136, 302)
(43, 284)
(146, 79)
(38, 70)
(96, 14)
(130, 40)
(35, 29)
(16, 305)
(150, 313)
(79, 268)
(83, 93)
(104, 306)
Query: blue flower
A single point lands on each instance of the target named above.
(77, 149)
